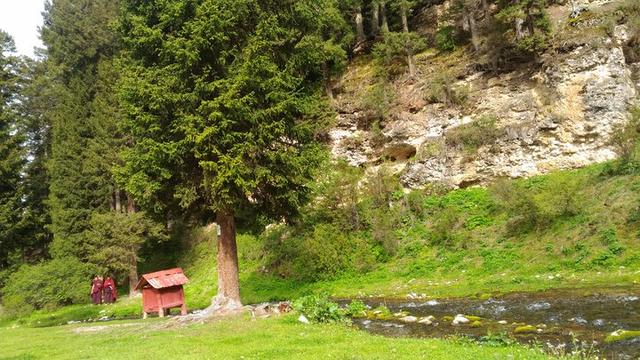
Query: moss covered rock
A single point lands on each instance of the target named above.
(621, 335)
(525, 329)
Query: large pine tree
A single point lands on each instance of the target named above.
(79, 41)
(12, 157)
(222, 104)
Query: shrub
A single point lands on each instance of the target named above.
(48, 285)
(336, 193)
(446, 38)
(446, 226)
(328, 252)
(377, 100)
(530, 19)
(356, 308)
(319, 309)
(514, 199)
(559, 196)
(473, 135)
(394, 49)
(625, 141)
(442, 88)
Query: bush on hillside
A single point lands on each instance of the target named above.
(328, 252)
(538, 202)
(442, 88)
(393, 47)
(446, 38)
(473, 135)
(625, 141)
(378, 100)
(48, 285)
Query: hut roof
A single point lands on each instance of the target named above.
(163, 279)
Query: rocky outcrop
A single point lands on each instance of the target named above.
(559, 116)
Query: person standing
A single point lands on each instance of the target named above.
(110, 292)
(96, 290)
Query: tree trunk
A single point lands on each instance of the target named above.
(383, 14)
(473, 29)
(375, 19)
(328, 87)
(118, 202)
(228, 297)
(485, 7)
(131, 205)
(518, 27)
(133, 275)
(408, 45)
(360, 24)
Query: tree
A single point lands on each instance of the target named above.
(35, 100)
(79, 42)
(222, 102)
(115, 239)
(404, 7)
(465, 12)
(526, 22)
(12, 156)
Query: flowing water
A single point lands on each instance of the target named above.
(563, 319)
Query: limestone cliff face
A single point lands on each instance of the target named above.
(559, 115)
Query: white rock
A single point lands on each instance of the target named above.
(502, 322)
(428, 320)
(303, 319)
(409, 319)
(460, 319)
(570, 128)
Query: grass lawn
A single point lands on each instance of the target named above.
(234, 338)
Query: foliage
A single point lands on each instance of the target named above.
(12, 156)
(50, 284)
(378, 99)
(534, 204)
(625, 141)
(233, 102)
(115, 239)
(471, 136)
(525, 23)
(446, 38)
(319, 309)
(443, 88)
(393, 47)
(328, 252)
(356, 308)
(82, 116)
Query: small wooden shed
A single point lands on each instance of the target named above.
(162, 291)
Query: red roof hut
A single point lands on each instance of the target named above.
(162, 290)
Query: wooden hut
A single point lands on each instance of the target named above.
(162, 291)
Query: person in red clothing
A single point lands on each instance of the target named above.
(109, 289)
(96, 290)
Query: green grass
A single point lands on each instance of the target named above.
(595, 248)
(461, 246)
(234, 338)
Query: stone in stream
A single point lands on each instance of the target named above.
(409, 319)
(460, 319)
(525, 329)
(621, 335)
(428, 320)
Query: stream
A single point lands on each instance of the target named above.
(559, 320)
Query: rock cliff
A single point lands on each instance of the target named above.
(556, 113)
